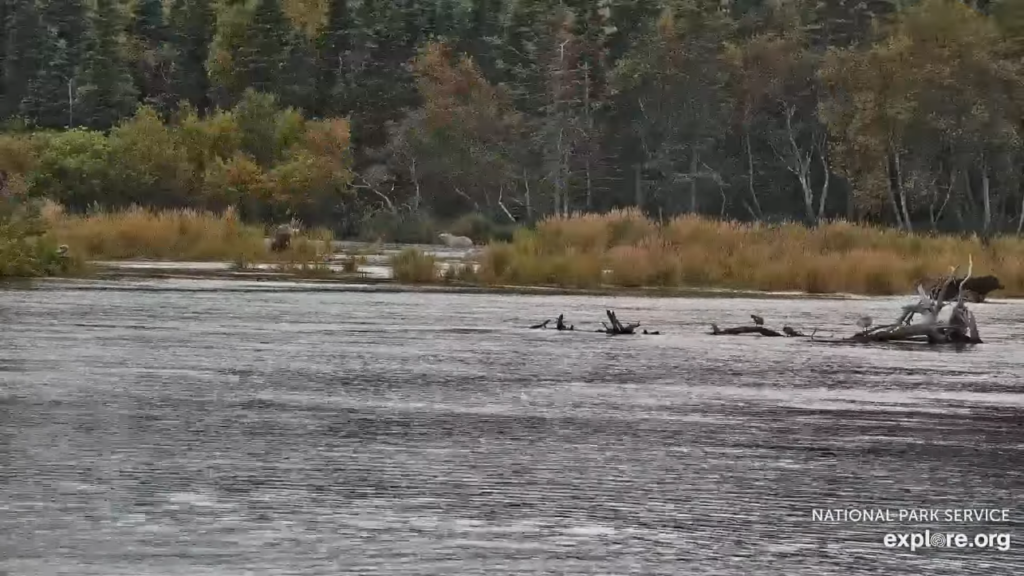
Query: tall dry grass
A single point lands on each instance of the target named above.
(175, 235)
(412, 266)
(623, 248)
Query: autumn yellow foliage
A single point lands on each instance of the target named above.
(182, 235)
(623, 248)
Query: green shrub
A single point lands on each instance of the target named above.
(26, 249)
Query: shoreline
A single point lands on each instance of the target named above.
(342, 282)
(151, 269)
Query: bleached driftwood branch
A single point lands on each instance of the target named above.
(961, 326)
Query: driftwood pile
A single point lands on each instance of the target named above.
(615, 329)
(959, 328)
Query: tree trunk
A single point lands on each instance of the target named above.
(986, 198)
(590, 134)
(934, 214)
(638, 186)
(903, 196)
(898, 194)
(800, 166)
(693, 182)
(892, 192)
(529, 205)
(824, 186)
(1020, 219)
(750, 173)
(418, 197)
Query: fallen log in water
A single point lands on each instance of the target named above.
(960, 328)
(559, 324)
(617, 328)
(715, 330)
(937, 333)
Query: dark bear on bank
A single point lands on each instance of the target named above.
(976, 288)
(282, 238)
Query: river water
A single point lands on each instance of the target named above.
(226, 428)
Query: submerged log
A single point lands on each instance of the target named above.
(716, 331)
(560, 323)
(617, 327)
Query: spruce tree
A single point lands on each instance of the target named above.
(334, 44)
(6, 11)
(381, 84)
(522, 56)
(68, 19)
(106, 94)
(446, 22)
(49, 99)
(148, 21)
(298, 88)
(191, 32)
(262, 55)
(481, 38)
(23, 36)
(152, 59)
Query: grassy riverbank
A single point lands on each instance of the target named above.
(701, 252)
(177, 235)
(621, 249)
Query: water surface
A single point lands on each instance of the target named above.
(228, 428)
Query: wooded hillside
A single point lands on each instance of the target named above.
(340, 112)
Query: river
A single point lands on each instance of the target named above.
(177, 427)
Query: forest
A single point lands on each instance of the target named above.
(378, 115)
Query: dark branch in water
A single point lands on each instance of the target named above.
(715, 330)
(617, 327)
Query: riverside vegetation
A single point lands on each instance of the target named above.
(183, 129)
(621, 248)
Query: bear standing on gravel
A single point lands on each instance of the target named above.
(455, 241)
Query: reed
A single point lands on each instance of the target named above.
(183, 235)
(414, 267)
(623, 248)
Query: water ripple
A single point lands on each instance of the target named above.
(185, 429)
